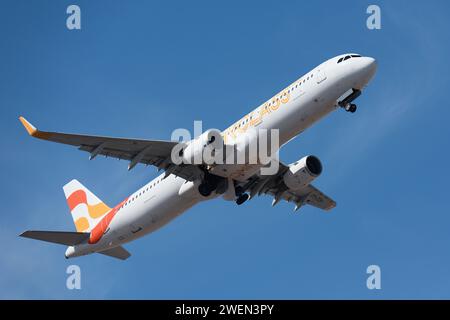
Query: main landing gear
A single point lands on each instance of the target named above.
(205, 189)
(215, 183)
(209, 185)
(347, 104)
(241, 196)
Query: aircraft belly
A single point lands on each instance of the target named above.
(159, 210)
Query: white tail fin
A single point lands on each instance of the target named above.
(87, 210)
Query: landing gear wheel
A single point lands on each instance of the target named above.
(242, 198)
(238, 190)
(350, 107)
(204, 189)
(347, 102)
(209, 184)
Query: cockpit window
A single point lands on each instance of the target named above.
(348, 57)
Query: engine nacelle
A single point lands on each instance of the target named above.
(302, 172)
(201, 148)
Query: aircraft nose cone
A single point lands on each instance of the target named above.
(369, 66)
(365, 68)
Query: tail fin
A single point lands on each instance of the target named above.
(87, 210)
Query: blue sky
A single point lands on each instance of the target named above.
(143, 68)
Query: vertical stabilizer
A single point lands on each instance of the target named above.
(87, 210)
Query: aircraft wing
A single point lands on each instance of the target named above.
(148, 152)
(275, 187)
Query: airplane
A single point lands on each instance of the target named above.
(334, 84)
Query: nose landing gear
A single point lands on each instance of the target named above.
(347, 104)
(350, 107)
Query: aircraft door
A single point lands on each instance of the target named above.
(135, 228)
(320, 76)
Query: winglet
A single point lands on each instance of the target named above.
(28, 126)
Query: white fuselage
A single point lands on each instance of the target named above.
(291, 111)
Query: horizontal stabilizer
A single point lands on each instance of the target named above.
(60, 237)
(117, 252)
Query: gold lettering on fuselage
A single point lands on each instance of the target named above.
(257, 116)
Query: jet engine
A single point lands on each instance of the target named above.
(201, 150)
(302, 172)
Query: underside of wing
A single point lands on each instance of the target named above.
(148, 152)
(316, 198)
(308, 195)
(275, 187)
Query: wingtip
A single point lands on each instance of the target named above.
(24, 234)
(28, 126)
(331, 206)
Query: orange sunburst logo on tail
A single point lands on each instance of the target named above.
(95, 211)
(86, 208)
